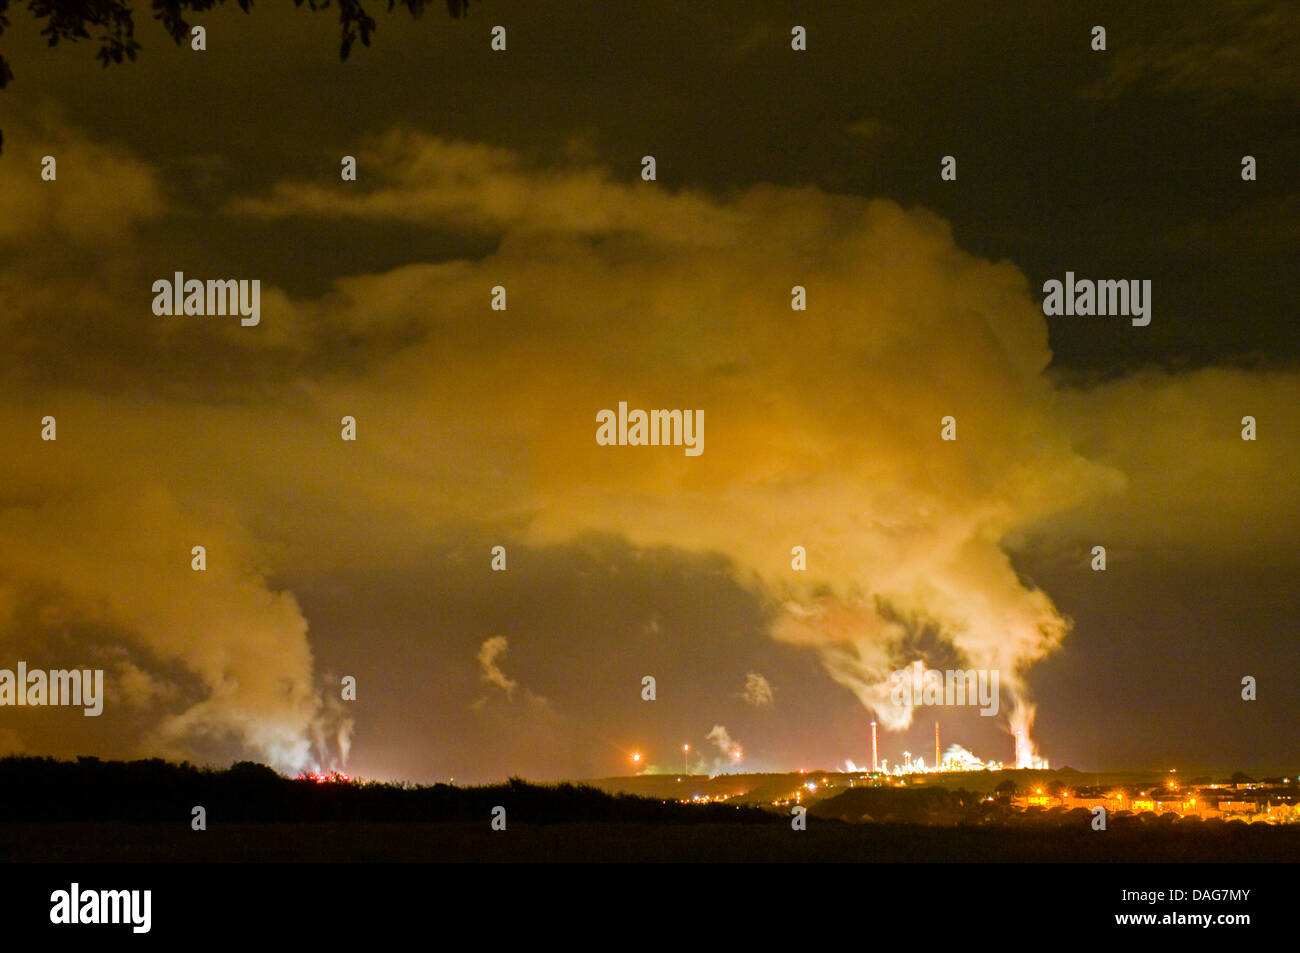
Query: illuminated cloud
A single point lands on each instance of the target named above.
(1238, 47)
(1230, 500)
(430, 180)
(101, 189)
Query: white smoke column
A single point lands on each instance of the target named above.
(722, 738)
(334, 724)
(344, 739)
(1022, 719)
(956, 754)
(488, 653)
(758, 691)
(861, 648)
(219, 656)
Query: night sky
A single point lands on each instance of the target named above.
(475, 427)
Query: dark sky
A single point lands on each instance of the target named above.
(475, 427)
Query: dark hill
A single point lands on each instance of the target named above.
(44, 789)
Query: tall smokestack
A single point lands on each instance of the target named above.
(936, 746)
(875, 765)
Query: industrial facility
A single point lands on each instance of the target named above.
(956, 758)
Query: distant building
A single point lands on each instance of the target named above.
(1238, 807)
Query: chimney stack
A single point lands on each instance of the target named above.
(875, 765)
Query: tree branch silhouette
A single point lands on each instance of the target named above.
(72, 20)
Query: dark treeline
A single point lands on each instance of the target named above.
(88, 789)
(927, 805)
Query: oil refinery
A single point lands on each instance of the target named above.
(956, 758)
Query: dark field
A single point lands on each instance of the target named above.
(104, 811)
(347, 841)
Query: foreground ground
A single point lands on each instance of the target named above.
(345, 841)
